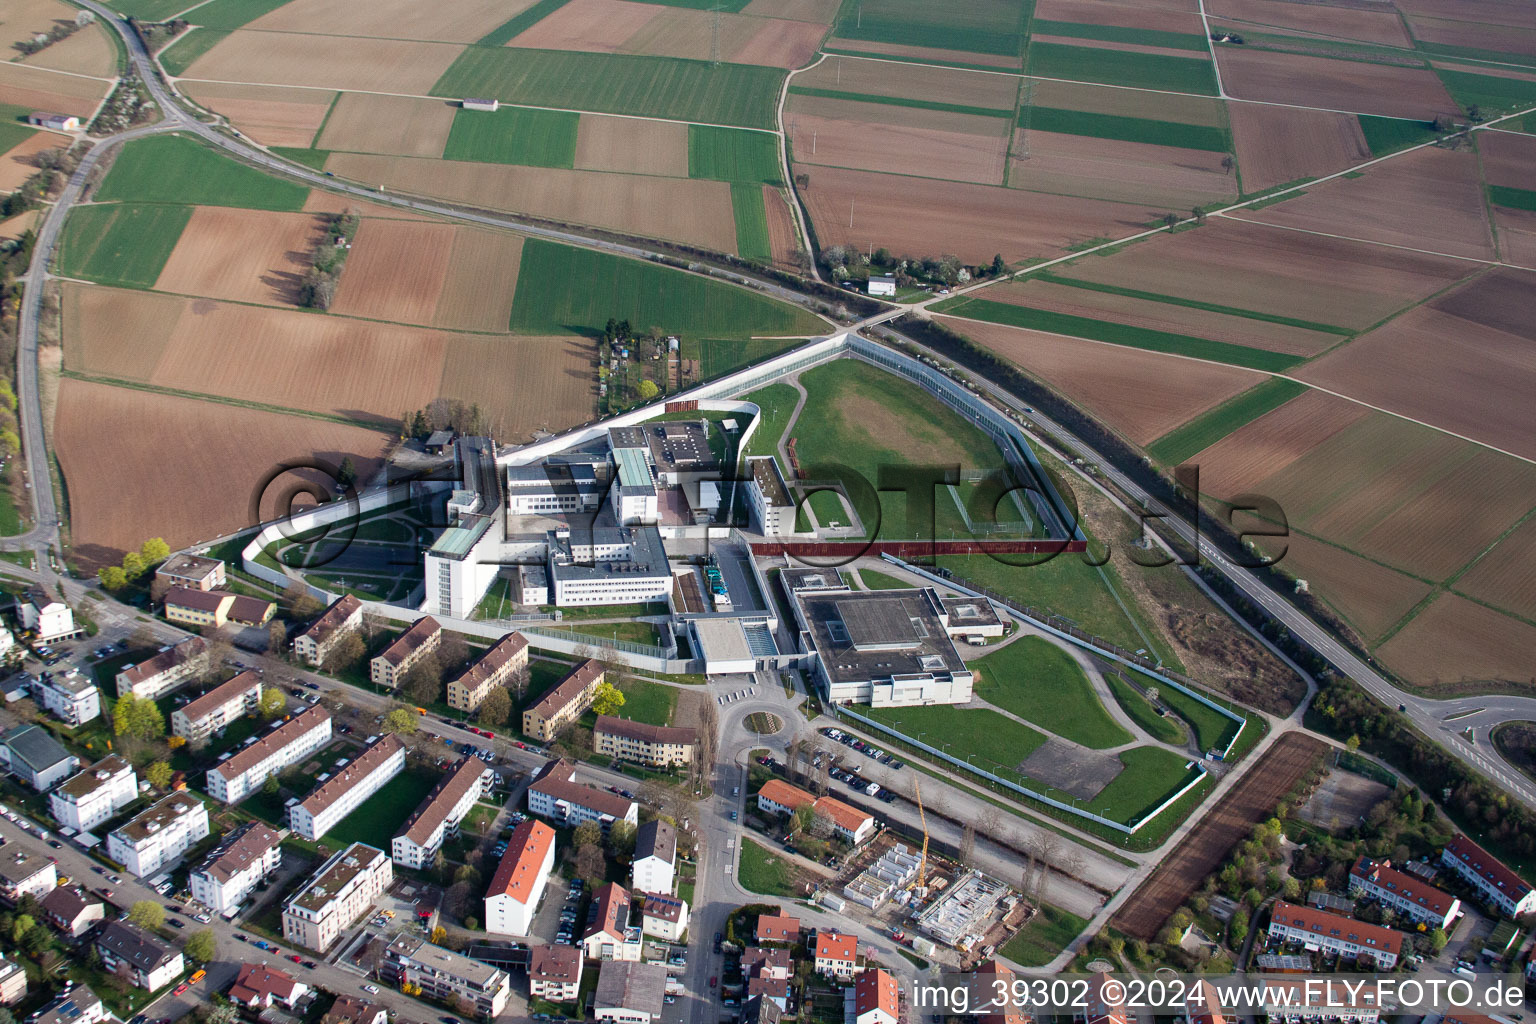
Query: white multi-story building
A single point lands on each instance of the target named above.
(157, 838)
(165, 671)
(94, 795)
(35, 757)
(1332, 933)
(130, 951)
(243, 772)
(772, 506)
(48, 618)
(633, 492)
(555, 794)
(25, 871)
(655, 859)
(1411, 897)
(557, 486)
(515, 888)
(664, 916)
(315, 644)
(13, 981)
(445, 976)
(70, 696)
(193, 571)
(439, 815)
(339, 893)
(198, 719)
(236, 866)
(554, 972)
(78, 1005)
(1500, 887)
(1315, 1001)
(608, 565)
(345, 791)
(613, 933)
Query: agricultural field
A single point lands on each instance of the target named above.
(124, 244)
(513, 135)
(900, 140)
(462, 22)
(175, 169)
(1363, 25)
(1458, 646)
(1312, 81)
(1175, 71)
(270, 116)
(988, 32)
(432, 274)
(1277, 145)
(398, 125)
(39, 89)
(607, 143)
(292, 58)
(18, 162)
(242, 255)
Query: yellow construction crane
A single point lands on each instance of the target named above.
(922, 864)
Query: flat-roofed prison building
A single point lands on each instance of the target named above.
(338, 894)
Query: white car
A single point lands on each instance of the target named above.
(372, 990)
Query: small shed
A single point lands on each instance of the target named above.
(471, 103)
(438, 441)
(882, 285)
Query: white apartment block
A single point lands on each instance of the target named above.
(1320, 930)
(554, 972)
(165, 671)
(345, 791)
(234, 868)
(145, 960)
(243, 772)
(768, 498)
(1503, 890)
(24, 871)
(315, 644)
(201, 718)
(444, 975)
(95, 795)
(655, 859)
(13, 981)
(157, 838)
(48, 618)
(71, 697)
(439, 815)
(513, 895)
(339, 893)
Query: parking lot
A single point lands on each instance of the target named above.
(845, 767)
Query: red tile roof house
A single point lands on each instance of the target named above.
(1330, 933)
(1411, 897)
(836, 954)
(876, 999)
(258, 986)
(778, 928)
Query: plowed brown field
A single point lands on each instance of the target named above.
(37, 89)
(1504, 576)
(1280, 144)
(1326, 280)
(971, 221)
(1140, 394)
(1443, 370)
(1509, 159)
(139, 464)
(1368, 596)
(1246, 804)
(884, 78)
(245, 255)
(87, 52)
(780, 43)
(401, 125)
(395, 271)
(1257, 450)
(1106, 44)
(1094, 12)
(1517, 236)
(783, 242)
(797, 10)
(1103, 99)
(1335, 84)
(694, 211)
(1459, 645)
(524, 383)
(19, 162)
(1496, 12)
(14, 227)
(1164, 177)
(119, 333)
(923, 152)
(364, 65)
(271, 116)
(1161, 316)
(1457, 31)
(481, 281)
(602, 26)
(1368, 26)
(628, 144)
(26, 18)
(462, 21)
(1388, 204)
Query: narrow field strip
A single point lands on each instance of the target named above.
(898, 101)
(1125, 129)
(1174, 300)
(1205, 430)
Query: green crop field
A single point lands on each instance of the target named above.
(733, 154)
(562, 289)
(514, 135)
(683, 90)
(151, 10)
(865, 419)
(1140, 710)
(231, 14)
(1120, 334)
(1038, 681)
(899, 101)
(1119, 34)
(776, 401)
(1041, 940)
(1487, 91)
(175, 169)
(751, 222)
(980, 26)
(1125, 129)
(1389, 134)
(186, 48)
(122, 244)
(1512, 198)
(1175, 300)
(1211, 426)
(720, 356)
(311, 158)
(509, 30)
(1122, 67)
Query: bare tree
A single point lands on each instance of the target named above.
(990, 824)
(1044, 846)
(967, 854)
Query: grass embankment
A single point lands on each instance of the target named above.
(1038, 681)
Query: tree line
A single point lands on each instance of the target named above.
(318, 289)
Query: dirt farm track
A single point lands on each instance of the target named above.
(1198, 854)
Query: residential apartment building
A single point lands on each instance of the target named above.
(875, 999)
(95, 795)
(70, 910)
(390, 667)
(345, 791)
(130, 951)
(554, 972)
(32, 755)
(257, 987)
(75, 1005)
(994, 976)
(630, 993)
(563, 704)
(438, 816)
(243, 772)
(204, 608)
(1408, 895)
(165, 671)
(233, 869)
(201, 718)
(24, 871)
(767, 972)
(47, 618)
(315, 644)
(517, 885)
(657, 746)
(778, 928)
(1316, 1001)
(13, 981)
(611, 933)
(555, 794)
(1320, 931)
(69, 696)
(496, 667)
(1105, 1003)
(445, 976)
(347, 1010)
(655, 860)
(157, 838)
(663, 916)
(336, 896)
(837, 955)
(849, 823)
(192, 571)
(1500, 887)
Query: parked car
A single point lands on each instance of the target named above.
(180, 989)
